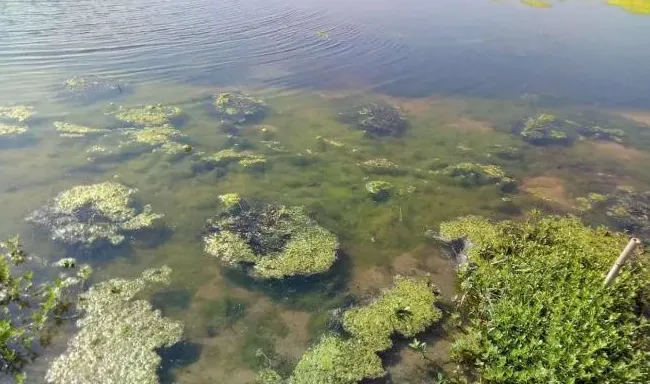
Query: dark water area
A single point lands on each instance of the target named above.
(465, 74)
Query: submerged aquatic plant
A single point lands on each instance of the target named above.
(382, 166)
(377, 120)
(163, 138)
(625, 209)
(93, 88)
(599, 133)
(405, 309)
(271, 241)
(536, 308)
(118, 336)
(231, 200)
(473, 174)
(229, 155)
(74, 130)
(17, 113)
(543, 130)
(32, 312)
(92, 215)
(237, 107)
(379, 190)
(149, 115)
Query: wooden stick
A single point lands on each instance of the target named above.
(622, 258)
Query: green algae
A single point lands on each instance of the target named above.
(598, 133)
(381, 166)
(231, 200)
(544, 129)
(163, 138)
(227, 156)
(473, 174)
(379, 190)
(18, 113)
(148, 115)
(11, 131)
(75, 130)
(237, 107)
(272, 242)
(405, 309)
(93, 214)
(118, 337)
(377, 120)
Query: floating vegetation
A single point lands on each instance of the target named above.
(118, 337)
(13, 135)
(94, 215)
(506, 152)
(231, 200)
(406, 309)
(18, 113)
(536, 309)
(163, 138)
(377, 120)
(270, 241)
(544, 129)
(641, 7)
(473, 174)
(149, 115)
(379, 190)
(227, 156)
(93, 88)
(98, 152)
(626, 209)
(537, 3)
(237, 107)
(598, 133)
(74, 130)
(382, 166)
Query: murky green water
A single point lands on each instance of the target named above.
(462, 73)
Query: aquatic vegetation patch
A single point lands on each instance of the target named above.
(473, 174)
(270, 241)
(536, 308)
(377, 120)
(231, 200)
(237, 107)
(75, 130)
(641, 7)
(537, 3)
(544, 129)
(148, 115)
(608, 134)
(506, 152)
(228, 156)
(382, 166)
(94, 215)
(165, 138)
(625, 209)
(11, 131)
(93, 88)
(379, 190)
(405, 309)
(18, 113)
(118, 336)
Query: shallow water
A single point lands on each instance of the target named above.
(462, 72)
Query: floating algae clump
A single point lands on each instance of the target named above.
(337, 361)
(91, 215)
(271, 241)
(93, 88)
(237, 107)
(406, 309)
(641, 7)
(543, 130)
(149, 115)
(381, 166)
(473, 174)
(599, 133)
(118, 336)
(163, 138)
(532, 293)
(11, 131)
(377, 120)
(229, 155)
(18, 113)
(74, 130)
(379, 190)
(231, 200)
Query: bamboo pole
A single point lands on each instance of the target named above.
(622, 258)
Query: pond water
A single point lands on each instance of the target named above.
(464, 73)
